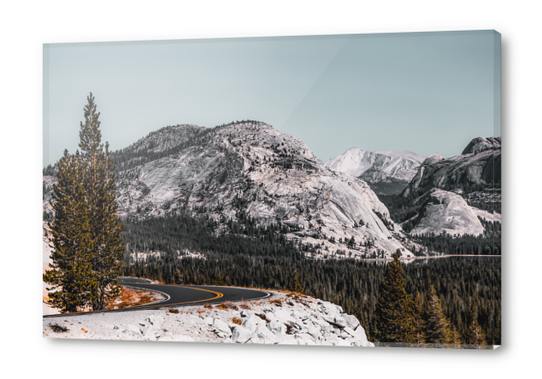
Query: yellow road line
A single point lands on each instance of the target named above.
(218, 296)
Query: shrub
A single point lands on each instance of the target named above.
(227, 305)
(263, 317)
(58, 328)
(244, 305)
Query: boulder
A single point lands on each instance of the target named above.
(222, 327)
(284, 315)
(252, 323)
(336, 321)
(276, 327)
(241, 334)
(266, 336)
(305, 339)
(151, 333)
(351, 321)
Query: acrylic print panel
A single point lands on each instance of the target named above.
(335, 190)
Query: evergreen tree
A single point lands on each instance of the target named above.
(298, 286)
(419, 322)
(476, 335)
(105, 226)
(437, 328)
(70, 278)
(393, 313)
(455, 335)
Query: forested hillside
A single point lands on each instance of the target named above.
(264, 258)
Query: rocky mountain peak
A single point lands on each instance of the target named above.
(480, 144)
(432, 159)
(251, 170)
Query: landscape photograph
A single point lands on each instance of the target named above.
(336, 190)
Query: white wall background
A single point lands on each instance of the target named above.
(24, 26)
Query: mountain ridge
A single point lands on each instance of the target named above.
(387, 172)
(250, 170)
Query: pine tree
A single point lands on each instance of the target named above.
(419, 322)
(298, 286)
(393, 313)
(476, 335)
(70, 278)
(438, 329)
(105, 226)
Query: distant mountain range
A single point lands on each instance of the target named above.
(386, 172)
(250, 171)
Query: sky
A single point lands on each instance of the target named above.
(423, 92)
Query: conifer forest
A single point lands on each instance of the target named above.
(247, 256)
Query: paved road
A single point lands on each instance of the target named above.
(178, 295)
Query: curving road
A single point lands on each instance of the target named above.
(178, 295)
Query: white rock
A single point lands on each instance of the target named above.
(252, 323)
(336, 321)
(132, 329)
(359, 335)
(351, 321)
(342, 342)
(158, 322)
(276, 327)
(222, 326)
(314, 332)
(241, 334)
(284, 315)
(151, 333)
(300, 315)
(305, 339)
(288, 340)
(166, 337)
(266, 335)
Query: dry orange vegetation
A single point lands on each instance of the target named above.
(131, 297)
(244, 305)
(227, 305)
(236, 320)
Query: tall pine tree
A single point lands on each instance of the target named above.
(71, 278)
(419, 322)
(476, 335)
(437, 326)
(105, 226)
(393, 313)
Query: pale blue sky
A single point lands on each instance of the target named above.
(424, 92)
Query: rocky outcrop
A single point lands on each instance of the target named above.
(477, 169)
(480, 144)
(282, 319)
(444, 211)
